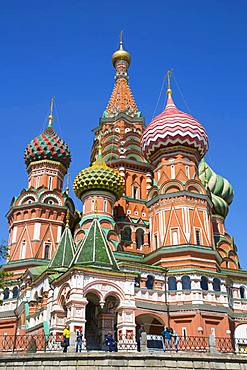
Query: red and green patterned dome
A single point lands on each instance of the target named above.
(48, 145)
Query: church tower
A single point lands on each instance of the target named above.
(121, 127)
(179, 206)
(36, 217)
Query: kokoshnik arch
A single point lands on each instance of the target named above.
(148, 245)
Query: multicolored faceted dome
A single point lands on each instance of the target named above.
(99, 177)
(48, 145)
(221, 190)
(173, 128)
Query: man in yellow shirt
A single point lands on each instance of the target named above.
(66, 337)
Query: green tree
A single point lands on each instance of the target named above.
(3, 256)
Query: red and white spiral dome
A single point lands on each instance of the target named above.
(173, 128)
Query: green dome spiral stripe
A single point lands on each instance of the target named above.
(221, 190)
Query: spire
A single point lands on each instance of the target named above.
(50, 117)
(121, 54)
(169, 102)
(65, 250)
(94, 250)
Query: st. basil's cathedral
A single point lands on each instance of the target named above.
(148, 246)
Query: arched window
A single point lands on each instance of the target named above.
(242, 292)
(198, 237)
(139, 238)
(172, 283)
(15, 292)
(172, 171)
(204, 283)
(150, 282)
(105, 205)
(156, 241)
(187, 171)
(92, 205)
(186, 283)
(216, 285)
(23, 250)
(6, 293)
(47, 250)
(126, 235)
(50, 183)
(37, 181)
(136, 191)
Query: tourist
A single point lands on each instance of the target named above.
(110, 343)
(79, 337)
(138, 337)
(66, 338)
(176, 340)
(167, 338)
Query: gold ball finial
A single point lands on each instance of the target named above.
(121, 54)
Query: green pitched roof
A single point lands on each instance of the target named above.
(94, 250)
(64, 253)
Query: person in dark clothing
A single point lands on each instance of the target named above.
(110, 343)
(167, 338)
(79, 336)
(138, 337)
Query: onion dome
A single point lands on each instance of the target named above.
(221, 190)
(99, 177)
(174, 128)
(48, 146)
(121, 54)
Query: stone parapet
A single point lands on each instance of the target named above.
(121, 361)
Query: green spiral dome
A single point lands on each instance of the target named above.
(221, 190)
(99, 177)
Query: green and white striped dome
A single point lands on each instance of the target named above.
(221, 190)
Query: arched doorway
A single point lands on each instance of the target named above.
(152, 324)
(92, 334)
(101, 319)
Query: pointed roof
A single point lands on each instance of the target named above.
(122, 99)
(94, 250)
(64, 253)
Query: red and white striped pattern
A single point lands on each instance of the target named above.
(173, 127)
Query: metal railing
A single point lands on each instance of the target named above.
(54, 343)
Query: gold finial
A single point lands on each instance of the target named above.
(50, 118)
(67, 218)
(169, 90)
(121, 54)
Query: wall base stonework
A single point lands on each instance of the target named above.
(122, 361)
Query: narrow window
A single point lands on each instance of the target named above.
(37, 181)
(6, 293)
(136, 194)
(50, 183)
(23, 250)
(105, 205)
(14, 235)
(156, 241)
(184, 333)
(36, 232)
(172, 171)
(186, 283)
(172, 283)
(15, 292)
(242, 292)
(174, 233)
(198, 238)
(216, 285)
(150, 282)
(92, 205)
(139, 238)
(187, 171)
(59, 233)
(47, 250)
(204, 283)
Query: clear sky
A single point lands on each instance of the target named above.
(64, 48)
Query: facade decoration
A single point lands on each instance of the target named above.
(148, 245)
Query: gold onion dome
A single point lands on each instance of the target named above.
(99, 177)
(121, 54)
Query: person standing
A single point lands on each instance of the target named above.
(110, 343)
(176, 340)
(167, 337)
(138, 337)
(79, 336)
(66, 338)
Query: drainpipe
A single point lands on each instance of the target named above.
(16, 315)
(165, 271)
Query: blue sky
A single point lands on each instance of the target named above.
(63, 48)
